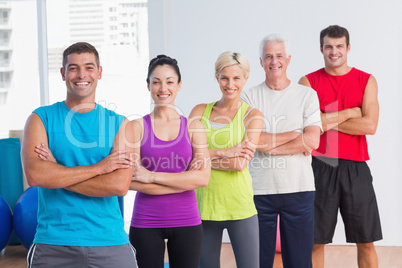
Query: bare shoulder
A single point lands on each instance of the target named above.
(137, 126)
(253, 113)
(372, 81)
(198, 110)
(34, 127)
(33, 118)
(196, 132)
(254, 118)
(371, 90)
(304, 81)
(195, 125)
(34, 134)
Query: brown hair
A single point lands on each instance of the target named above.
(80, 47)
(334, 31)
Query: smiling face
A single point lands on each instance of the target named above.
(335, 52)
(231, 81)
(81, 74)
(274, 60)
(164, 85)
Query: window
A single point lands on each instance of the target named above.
(122, 87)
(19, 88)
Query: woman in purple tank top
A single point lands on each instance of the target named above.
(172, 160)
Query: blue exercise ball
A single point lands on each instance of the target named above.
(6, 223)
(25, 216)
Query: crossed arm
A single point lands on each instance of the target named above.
(236, 157)
(354, 121)
(109, 177)
(158, 183)
(288, 143)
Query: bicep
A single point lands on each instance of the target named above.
(370, 105)
(34, 134)
(196, 114)
(254, 123)
(122, 142)
(137, 127)
(198, 140)
(124, 137)
(311, 136)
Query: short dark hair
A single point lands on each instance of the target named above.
(334, 31)
(163, 60)
(80, 47)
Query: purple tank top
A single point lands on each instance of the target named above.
(171, 210)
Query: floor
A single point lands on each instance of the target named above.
(335, 257)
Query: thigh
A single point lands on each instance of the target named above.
(244, 237)
(268, 207)
(358, 207)
(149, 244)
(44, 256)
(297, 229)
(184, 246)
(122, 256)
(211, 244)
(326, 203)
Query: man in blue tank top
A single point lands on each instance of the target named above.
(77, 153)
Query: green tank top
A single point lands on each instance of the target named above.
(229, 194)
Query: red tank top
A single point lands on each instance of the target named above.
(338, 93)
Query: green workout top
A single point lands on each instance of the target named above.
(229, 194)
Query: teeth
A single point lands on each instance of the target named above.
(82, 84)
(230, 90)
(163, 96)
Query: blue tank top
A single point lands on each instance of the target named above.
(67, 218)
(171, 210)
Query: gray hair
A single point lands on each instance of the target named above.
(274, 38)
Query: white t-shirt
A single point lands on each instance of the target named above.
(290, 109)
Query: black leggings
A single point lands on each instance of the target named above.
(183, 244)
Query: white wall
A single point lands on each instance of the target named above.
(196, 32)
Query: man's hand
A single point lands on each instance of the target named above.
(44, 153)
(114, 161)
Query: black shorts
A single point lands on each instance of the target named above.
(346, 185)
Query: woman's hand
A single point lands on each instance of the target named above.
(195, 164)
(243, 149)
(143, 175)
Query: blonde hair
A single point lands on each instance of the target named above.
(230, 58)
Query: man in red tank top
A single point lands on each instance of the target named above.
(349, 111)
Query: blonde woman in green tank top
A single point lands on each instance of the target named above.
(233, 129)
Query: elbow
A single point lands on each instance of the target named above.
(312, 140)
(315, 144)
(371, 129)
(203, 184)
(205, 178)
(241, 167)
(121, 191)
(241, 164)
(33, 178)
(31, 181)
